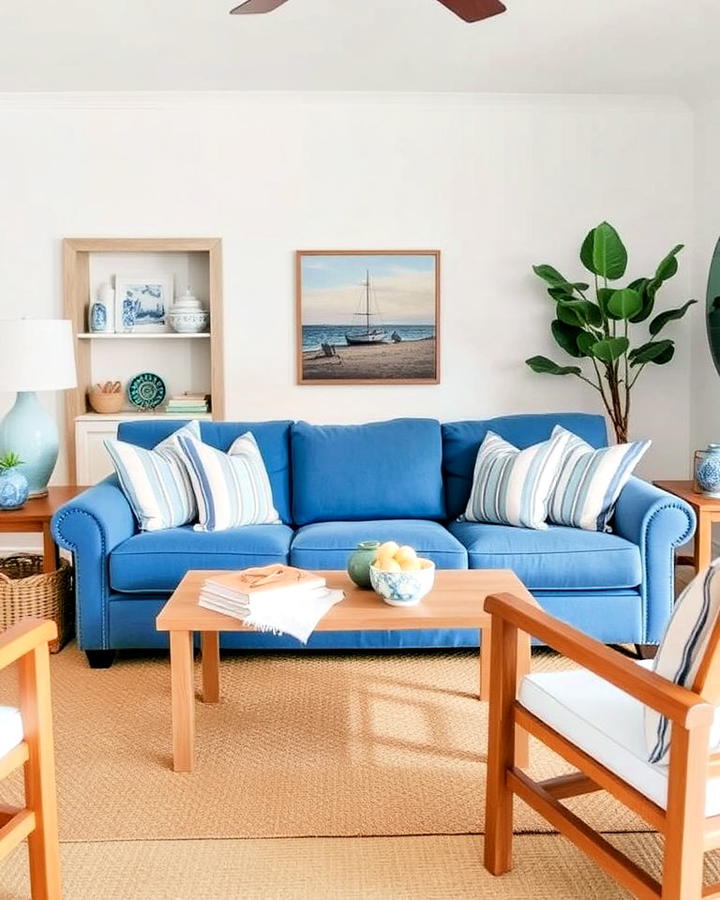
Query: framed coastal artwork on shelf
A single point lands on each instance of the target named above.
(142, 304)
(368, 316)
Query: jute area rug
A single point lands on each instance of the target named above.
(300, 745)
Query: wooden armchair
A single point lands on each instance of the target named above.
(26, 739)
(569, 712)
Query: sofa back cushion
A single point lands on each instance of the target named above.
(382, 470)
(461, 441)
(273, 439)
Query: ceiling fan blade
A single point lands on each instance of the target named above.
(256, 6)
(474, 10)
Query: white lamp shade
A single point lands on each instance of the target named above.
(36, 355)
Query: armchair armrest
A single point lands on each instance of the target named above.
(657, 522)
(23, 637)
(677, 703)
(91, 526)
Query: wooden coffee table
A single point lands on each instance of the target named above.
(456, 601)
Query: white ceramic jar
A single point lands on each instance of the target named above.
(186, 315)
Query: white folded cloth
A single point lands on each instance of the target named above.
(294, 613)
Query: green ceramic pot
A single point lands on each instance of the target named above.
(358, 567)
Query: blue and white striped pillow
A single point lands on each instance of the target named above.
(156, 482)
(232, 488)
(681, 652)
(511, 486)
(590, 481)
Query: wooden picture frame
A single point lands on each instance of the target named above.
(367, 316)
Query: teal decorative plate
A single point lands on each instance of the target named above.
(146, 391)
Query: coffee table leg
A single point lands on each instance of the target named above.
(484, 692)
(522, 738)
(210, 648)
(183, 699)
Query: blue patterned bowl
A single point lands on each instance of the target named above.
(402, 588)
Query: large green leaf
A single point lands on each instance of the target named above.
(624, 304)
(579, 313)
(586, 251)
(647, 290)
(610, 349)
(659, 352)
(561, 292)
(604, 295)
(550, 275)
(609, 256)
(668, 265)
(566, 336)
(546, 366)
(670, 315)
(585, 343)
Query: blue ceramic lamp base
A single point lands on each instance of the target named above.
(29, 430)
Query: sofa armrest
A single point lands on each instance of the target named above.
(91, 525)
(657, 522)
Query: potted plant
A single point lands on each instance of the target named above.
(596, 327)
(13, 484)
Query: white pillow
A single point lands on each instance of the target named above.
(681, 652)
(232, 488)
(156, 482)
(511, 486)
(590, 481)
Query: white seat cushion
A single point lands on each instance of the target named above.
(11, 729)
(607, 724)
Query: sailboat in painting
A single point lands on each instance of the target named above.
(368, 334)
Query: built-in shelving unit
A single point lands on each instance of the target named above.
(185, 362)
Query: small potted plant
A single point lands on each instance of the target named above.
(13, 484)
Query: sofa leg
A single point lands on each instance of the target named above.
(100, 659)
(646, 651)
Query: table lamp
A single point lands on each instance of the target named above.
(35, 355)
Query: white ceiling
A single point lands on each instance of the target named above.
(589, 46)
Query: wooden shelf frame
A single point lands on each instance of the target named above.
(76, 289)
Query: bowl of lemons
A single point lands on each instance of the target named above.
(400, 576)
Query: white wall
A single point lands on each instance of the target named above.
(496, 183)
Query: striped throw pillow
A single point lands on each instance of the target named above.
(681, 652)
(232, 488)
(511, 486)
(590, 481)
(156, 482)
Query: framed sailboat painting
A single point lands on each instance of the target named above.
(368, 316)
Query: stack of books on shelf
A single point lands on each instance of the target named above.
(276, 598)
(188, 404)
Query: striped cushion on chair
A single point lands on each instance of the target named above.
(231, 489)
(590, 481)
(681, 652)
(511, 486)
(156, 482)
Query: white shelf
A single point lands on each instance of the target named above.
(136, 414)
(131, 336)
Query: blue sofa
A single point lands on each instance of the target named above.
(407, 480)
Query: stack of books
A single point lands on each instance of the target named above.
(276, 598)
(187, 404)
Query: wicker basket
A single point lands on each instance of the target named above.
(25, 590)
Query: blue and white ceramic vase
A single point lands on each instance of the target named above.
(707, 471)
(98, 317)
(13, 489)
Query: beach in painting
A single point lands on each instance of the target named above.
(368, 317)
(408, 360)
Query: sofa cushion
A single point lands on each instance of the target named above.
(11, 729)
(558, 558)
(382, 470)
(461, 441)
(273, 439)
(327, 545)
(156, 561)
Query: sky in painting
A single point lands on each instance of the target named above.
(403, 289)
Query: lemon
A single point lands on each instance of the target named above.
(405, 554)
(387, 550)
(390, 565)
(410, 565)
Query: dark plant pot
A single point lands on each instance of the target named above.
(358, 567)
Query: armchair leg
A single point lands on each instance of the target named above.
(100, 659)
(501, 748)
(646, 651)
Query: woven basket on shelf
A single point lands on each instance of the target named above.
(25, 590)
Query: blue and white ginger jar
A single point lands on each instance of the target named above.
(13, 489)
(707, 473)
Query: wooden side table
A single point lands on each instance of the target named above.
(35, 517)
(707, 510)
